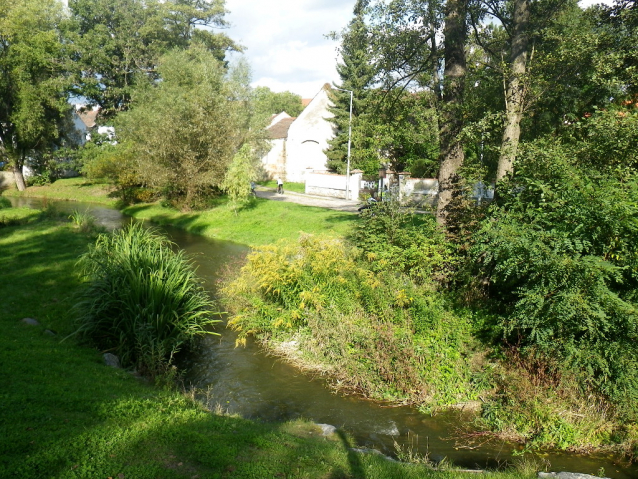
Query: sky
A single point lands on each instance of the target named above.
(285, 41)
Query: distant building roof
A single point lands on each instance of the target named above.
(280, 129)
(305, 102)
(277, 118)
(88, 117)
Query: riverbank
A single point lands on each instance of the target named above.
(67, 415)
(240, 227)
(259, 223)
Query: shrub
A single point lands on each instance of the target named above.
(4, 203)
(393, 238)
(142, 300)
(378, 332)
(560, 257)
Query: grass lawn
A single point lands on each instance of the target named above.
(74, 189)
(66, 415)
(295, 187)
(261, 222)
(258, 223)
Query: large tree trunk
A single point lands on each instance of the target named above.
(17, 173)
(17, 166)
(515, 92)
(452, 155)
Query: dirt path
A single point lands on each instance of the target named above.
(308, 200)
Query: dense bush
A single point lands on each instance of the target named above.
(142, 300)
(376, 332)
(559, 253)
(393, 238)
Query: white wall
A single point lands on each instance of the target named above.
(274, 162)
(308, 137)
(331, 185)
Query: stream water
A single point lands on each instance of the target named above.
(248, 382)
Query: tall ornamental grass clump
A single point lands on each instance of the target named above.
(142, 300)
(378, 333)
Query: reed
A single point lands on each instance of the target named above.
(142, 300)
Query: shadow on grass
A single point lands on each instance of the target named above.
(71, 416)
(354, 460)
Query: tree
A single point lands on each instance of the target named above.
(121, 41)
(239, 176)
(268, 103)
(33, 80)
(515, 91)
(185, 129)
(451, 121)
(356, 73)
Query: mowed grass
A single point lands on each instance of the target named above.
(65, 414)
(296, 187)
(261, 222)
(258, 223)
(72, 189)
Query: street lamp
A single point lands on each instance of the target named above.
(349, 141)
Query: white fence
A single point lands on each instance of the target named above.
(409, 191)
(334, 186)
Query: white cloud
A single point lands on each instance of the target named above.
(285, 40)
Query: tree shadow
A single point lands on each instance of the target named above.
(354, 460)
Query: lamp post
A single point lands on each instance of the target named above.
(349, 141)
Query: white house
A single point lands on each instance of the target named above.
(298, 144)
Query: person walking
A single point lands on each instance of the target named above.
(280, 186)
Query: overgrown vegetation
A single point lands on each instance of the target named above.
(66, 415)
(142, 300)
(555, 262)
(359, 316)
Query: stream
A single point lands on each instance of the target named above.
(248, 382)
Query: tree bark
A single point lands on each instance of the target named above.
(17, 173)
(515, 92)
(452, 155)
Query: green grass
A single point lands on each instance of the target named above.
(14, 216)
(295, 187)
(143, 301)
(262, 222)
(66, 415)
(258, 223)
(73, 189)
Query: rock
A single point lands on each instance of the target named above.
(111, 360)
(31, 321)
(50, 332)
(566, 475)
(327, 429)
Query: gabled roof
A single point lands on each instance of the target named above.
(277, 118)
(280, 129)
(305, 102)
